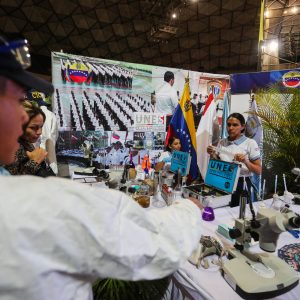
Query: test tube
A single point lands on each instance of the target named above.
(284, 181)
(275, 189)
(263, 190)
(243, 201)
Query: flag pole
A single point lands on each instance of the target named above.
(261, 36)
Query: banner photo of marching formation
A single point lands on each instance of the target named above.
(106, 105)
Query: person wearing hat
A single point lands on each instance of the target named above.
(57, 236)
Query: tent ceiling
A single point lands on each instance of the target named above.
(210, 36)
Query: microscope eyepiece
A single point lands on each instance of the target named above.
(294, 222)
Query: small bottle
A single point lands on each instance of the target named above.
(244, 199)
(179, 181)
(146, 170)
(139, 159)
(131, 163)
(156, 182)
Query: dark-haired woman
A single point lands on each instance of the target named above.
(241, 149)
(165, 158)
(31, 161)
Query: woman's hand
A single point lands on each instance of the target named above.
(38, 155)
(240, 157)
(211, 150)
(253, 166)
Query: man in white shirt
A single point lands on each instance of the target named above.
(166, 96)
(58, 236)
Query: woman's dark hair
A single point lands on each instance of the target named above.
(32, 110)
(238, 116)
(170, 142)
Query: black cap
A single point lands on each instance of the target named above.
(11, 68)
(34, 95)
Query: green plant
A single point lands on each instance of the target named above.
(113, 289)
(279, 110)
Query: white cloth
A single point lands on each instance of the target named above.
(204, 135)
(203, 282)
(50, 132)
(243, 145)
(166, 99)
(57, 236)
(115, 157)
(50, 127)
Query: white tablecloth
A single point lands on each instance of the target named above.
(192, 283)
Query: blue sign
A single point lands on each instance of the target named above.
(180, 161)
(222, 175)
(244, 83)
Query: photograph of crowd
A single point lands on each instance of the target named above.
(95, 101)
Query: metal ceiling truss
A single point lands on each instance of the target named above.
(208, 35)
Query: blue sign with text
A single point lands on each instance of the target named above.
(222, 175)
(180, 161)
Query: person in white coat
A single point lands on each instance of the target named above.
(57, 236)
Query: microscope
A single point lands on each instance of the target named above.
(259, 275)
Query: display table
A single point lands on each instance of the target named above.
(192, 283)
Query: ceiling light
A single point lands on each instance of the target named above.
(174, 16)
(273, 45)
(267, 13)
(294, 9)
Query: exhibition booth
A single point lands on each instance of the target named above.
(113, 132)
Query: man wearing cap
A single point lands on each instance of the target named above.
(63, 236)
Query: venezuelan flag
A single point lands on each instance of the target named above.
(78, 72)
(182, 126)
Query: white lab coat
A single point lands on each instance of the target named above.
(50, 132)
(57, 236)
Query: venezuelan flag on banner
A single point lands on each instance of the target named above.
(182, 126)
(78, 72)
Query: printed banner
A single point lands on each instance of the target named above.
(244, 83)
(105, 101)
(149, 122)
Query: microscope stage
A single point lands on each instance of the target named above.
(255, 280)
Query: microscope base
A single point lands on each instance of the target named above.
(254, 280)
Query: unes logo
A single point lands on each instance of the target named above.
(291, 79)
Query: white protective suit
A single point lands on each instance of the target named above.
(57, 236)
